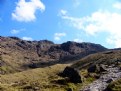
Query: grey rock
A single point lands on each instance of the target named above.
(93, 68)
(73, 74)
(102, 68)
(110, 80)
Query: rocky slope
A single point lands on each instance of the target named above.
(112, 74)
(19, 54)
(69, 66)
(103, 67)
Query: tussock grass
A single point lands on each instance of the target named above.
(115, 86)
(40, 78)
(99, 58)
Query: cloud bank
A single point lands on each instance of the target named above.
(27, 38)
(101, 21)
(25, 11)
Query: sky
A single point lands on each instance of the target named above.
(95, 21)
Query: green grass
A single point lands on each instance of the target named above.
(44, 79)
(115, 86)
(37, 78)
(98, 58)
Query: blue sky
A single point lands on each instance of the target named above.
(96, 21)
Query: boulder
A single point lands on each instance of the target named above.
(73, 74)
(110, 80)
(93, 68)
(97, 68)
(102, 68)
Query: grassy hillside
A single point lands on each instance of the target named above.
(16, 59)
(107, 58)
(47, 78)
(18, 55)
(40, 78)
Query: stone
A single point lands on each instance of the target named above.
(102, 68)
(36, 88)
(94, 89)
(69, 89)
(73, 74)
(93, 68)
(97, 68)
(110, 80)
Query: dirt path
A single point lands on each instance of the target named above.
(112, 74)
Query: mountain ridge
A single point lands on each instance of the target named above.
(33, 54)
(41, 64)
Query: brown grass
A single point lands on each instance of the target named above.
(40, 77)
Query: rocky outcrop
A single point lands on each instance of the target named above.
(77, 48)
(97, 68)
(35, 53)
(49, 50)
(112, 74)
(73, 74)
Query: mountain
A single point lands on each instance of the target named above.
(19, 54)
(46, 66)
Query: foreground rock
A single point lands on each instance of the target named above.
(102, 83)
(73, 75)
(93, 68)
(102, 68)
(97, 68)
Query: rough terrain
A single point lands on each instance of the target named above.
(45, 66)
(17, 54)
(112, 74)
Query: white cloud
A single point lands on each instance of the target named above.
(117, 5)
(58, 36)
(78, 40)
(114, 40)
(27, 38)
(25, 11)
(97, 22)
(14, 31)
(62, 12)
